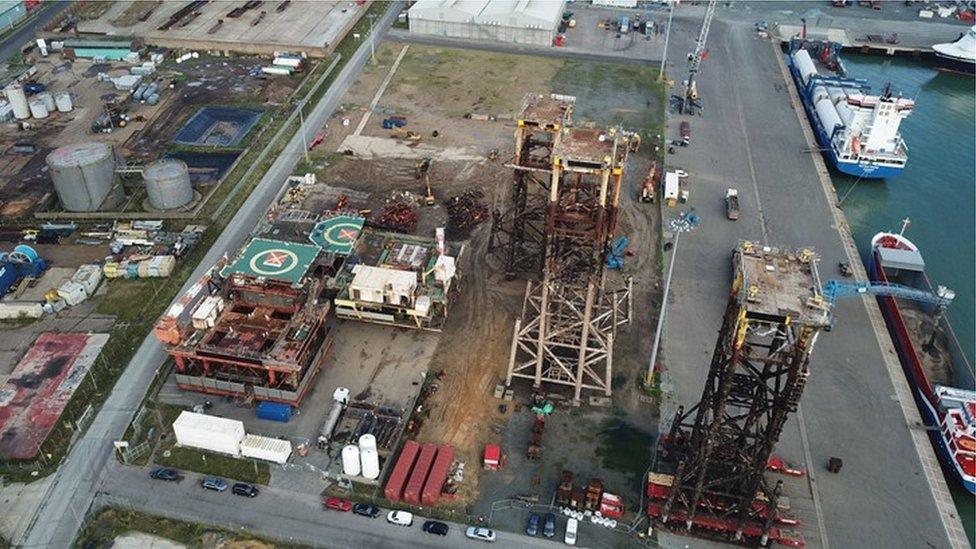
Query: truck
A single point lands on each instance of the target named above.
(685, 128)
(732, 204)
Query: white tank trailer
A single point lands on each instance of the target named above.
(339, 400)
(168, 184)
(350, 461)
(84, 177)
(18, 100)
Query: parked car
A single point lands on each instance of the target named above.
(338, 504)
(366, 510)
(484, 534)
(435, 527)
(245, 489)
(532, 528)
(400, 518)
(571, 528)
(216, 484)
(549, 530)
(165, 473)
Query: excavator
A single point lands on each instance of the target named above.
(423, 171)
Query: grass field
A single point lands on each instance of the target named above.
(208, 463)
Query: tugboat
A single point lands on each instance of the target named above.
(938, 372)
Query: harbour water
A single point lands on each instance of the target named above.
(936, 190)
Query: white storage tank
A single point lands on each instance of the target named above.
(371, 463)
(819, 93)
(845, 113)
(350, 461)
(828, 115)
(48, 101)
(18, 100)
(212, 433)
(37, 108)
(367, 442)
(63, 102)
(84, 176)
(803, 63)
(168, 184)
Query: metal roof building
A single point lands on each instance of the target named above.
(515, 21)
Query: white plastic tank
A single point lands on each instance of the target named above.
(37, 108)
(837, 94)
(819, 93)
(63, 102)
(168, 184)
(803, 63)
(48, 101)
(18, 100)
(350, 461)
(84, 176)
(367, 442)
(828, 115)
(371, 463)
(845, 112)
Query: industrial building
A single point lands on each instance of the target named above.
(11, 13)
(532, 22)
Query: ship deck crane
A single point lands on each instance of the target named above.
(690, 101)
(942, 297)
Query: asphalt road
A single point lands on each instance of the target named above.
(281, 514)
(62, 509)
(12, 44)
(750, 138)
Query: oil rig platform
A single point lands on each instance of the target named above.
(709, 476)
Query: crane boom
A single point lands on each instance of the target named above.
(690, 100)
(836, 289)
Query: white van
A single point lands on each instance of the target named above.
(571, 528)
(400, 518)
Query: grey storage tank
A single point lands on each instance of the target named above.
(168, 184)
(84, 177)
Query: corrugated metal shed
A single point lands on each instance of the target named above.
(516, 21)
(266, 448)
(212, 433)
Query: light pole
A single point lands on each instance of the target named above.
(372, 50)
(301, 129)
(678, 227)
(667, 36)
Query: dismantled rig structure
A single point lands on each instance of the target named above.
(569, 319)
(518, 235)
(709, 476)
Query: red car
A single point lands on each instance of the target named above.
(338, 504)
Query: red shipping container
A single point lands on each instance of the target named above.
(398, 478)
(411, 494)
(438, 475)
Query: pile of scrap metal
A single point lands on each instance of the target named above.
(395, 216)
(464, 212)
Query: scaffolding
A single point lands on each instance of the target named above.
(709, 478)
(518, 235)
(566, 331)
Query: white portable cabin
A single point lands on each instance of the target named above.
(671, 188)
(274, 450)
(215, 434)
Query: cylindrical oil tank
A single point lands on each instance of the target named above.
(48, 101)
(63, 102)
(803, 63)
(370, 463)
(37, 108)
(168, 184)
(828, 115)
(367, 442)
(350, 461)
(18, 100)
(137, 95)
(84, 176)
(152, 99)
(819, 93)
(845, 113)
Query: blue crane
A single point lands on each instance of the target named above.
(836, 289)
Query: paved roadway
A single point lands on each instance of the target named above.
(62, 509)
(281, 514)
(12, 44)
(750, 138)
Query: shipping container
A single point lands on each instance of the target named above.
(415, 485)
(438, 475)
(265, 448)
(212, 433)
(398, 478)
(274, 411)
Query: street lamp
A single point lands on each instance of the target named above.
(372, 49)
(667, 36)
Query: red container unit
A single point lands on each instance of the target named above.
(415, 485)
(398, 478)
(438, 475)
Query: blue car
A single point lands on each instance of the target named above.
(533, 527)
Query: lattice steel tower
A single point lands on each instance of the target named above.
(710, 472)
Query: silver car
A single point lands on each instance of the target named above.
(484, 534)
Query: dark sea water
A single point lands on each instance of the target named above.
(937, 191)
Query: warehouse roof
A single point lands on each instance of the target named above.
(511, 13)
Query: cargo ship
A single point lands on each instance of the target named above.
(937, 369)
(856, 130)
